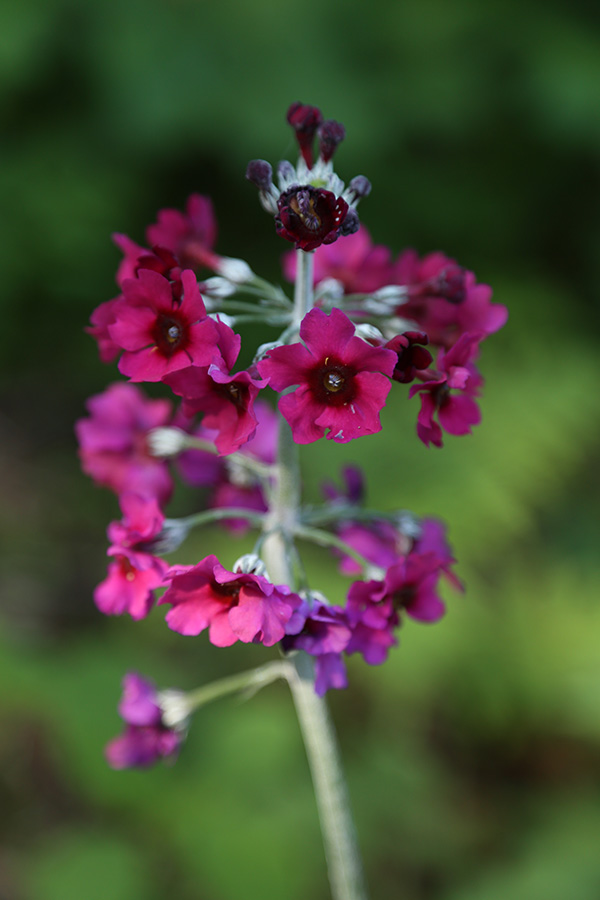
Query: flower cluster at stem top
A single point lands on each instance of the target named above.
(375, 321)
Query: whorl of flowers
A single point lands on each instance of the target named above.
(375, 323)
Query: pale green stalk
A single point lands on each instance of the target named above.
(341, 851)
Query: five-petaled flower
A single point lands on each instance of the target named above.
(158, 332)
(342, 383)
(234, 606)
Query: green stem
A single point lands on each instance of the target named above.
(225, 512)
(281, 524)
(327, 539)
(303, 292)
(339, 838)
(250, 681)
(263, 470)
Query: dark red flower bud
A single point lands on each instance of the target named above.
(351, 223)
(360, 187)
(412, 355)
(331, 134)
(305, 121)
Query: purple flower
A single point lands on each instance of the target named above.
(112, 442)
(445, 299)
(457, 412)
(341, 380)
(325, 635)
(146, 739)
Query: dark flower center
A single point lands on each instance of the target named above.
(304, 205)
(234, 393)
(230, 591)
(404, 597)
(333, 383)
(310, 216)
(169, 333)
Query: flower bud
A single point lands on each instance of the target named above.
(236, 270)
(174, 709)
(164, 442)
(250, 564)
(260, 173)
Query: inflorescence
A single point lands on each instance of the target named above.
(376, 320)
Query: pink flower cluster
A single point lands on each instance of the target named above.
(443, 307)
(409, 321)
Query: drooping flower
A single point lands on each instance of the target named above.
(146, 738)
(341, 383)
(112, 442)
(158, 332)
(135, 572)
(325, 636)
(412, 355)
(232, 605)
(449, 393)
(226, 400)
(374, 607)
(374, 620)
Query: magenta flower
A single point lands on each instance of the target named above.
(325, 635)
(445, 299)
(360, 265)
(374, 620)
(226, 400)
(159, 333)
(412, 355)
(101, 318)
(432, 539)
(232, 605)
(341, 380)
(374, 607)
(112, 442)
(457, 412)
(379, 541)
(135, 572)
(190, 236)
(145, 739)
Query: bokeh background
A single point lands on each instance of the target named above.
(473, 755)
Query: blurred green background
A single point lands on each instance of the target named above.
(473, 755)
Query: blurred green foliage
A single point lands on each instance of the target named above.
(473, 755)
